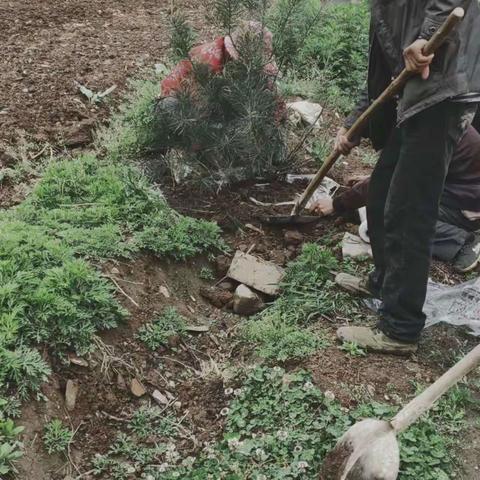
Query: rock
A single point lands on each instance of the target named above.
(137, 388)
(81, 362)
(160, 398)
(216, 296)
(115, 271)
(293, 237)
(222, 263)
(79, 134)
(354, 247)
(256, 273)
(227, 285)
(164, 291)
(246, 302)
(308, 111)
(71, 392)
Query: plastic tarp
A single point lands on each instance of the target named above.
(457, 305)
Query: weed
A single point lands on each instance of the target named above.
(206, 273)
(278, 340)
(320, 150)
(352, 349)
(56, 437)
(130, 132)
(147, 421)
(102, 210)
(157, 333)
(145, 450)
(22, 368)
(47, 295)
(282, 330)
(10, 447)
(369, 158)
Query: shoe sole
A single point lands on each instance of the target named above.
(472, 267)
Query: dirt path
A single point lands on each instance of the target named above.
(49, 44)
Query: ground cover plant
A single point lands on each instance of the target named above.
(155, 334)
(278, 426)
(284, 330)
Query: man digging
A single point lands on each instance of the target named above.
(432, 116)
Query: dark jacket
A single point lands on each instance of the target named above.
(455, 69)
(462, 186)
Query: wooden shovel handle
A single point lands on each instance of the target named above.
(419, 405)
(393, 89)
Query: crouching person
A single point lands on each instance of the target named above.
(457, 232)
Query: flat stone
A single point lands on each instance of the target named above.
(256, 273)
(308, 111)
(293, 237)
(71, 392)
(81, 362)
(137, 388)
(246, 302)
(354, 247)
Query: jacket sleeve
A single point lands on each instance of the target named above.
(360, 107)
(352, 199)
(436, 13)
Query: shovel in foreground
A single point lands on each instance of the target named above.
(369, 450)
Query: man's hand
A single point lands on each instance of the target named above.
(343, 144)
(322, 207)
(416, 61)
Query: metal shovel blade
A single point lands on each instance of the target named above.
(368, 451)
(286, 220)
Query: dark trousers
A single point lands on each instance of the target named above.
(452, 232)
(403, 203)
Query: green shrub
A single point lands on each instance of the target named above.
(22, 368)
(56, 437)
(47, 296)
(157, 333)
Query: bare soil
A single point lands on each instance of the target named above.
(47, 45)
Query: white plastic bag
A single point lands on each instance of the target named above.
(457, 305)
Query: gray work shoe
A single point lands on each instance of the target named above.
(469, 256)
(353, 284)
(373, 340)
